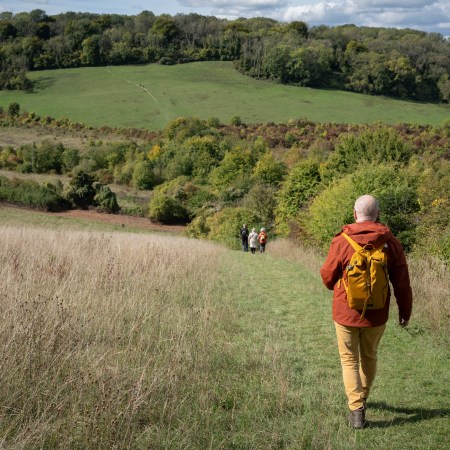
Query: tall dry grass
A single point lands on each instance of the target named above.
(107, 340)
(134, 341)
(430, 282)
(305, 256)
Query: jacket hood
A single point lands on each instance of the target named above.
(363, 233)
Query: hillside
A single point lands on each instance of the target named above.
(150, 96)
(176, 343)
(400, 63)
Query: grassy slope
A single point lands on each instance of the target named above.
(113, 96)
(277, 381)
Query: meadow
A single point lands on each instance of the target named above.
(150, 96)
(123, 340)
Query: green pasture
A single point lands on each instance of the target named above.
(150, 96)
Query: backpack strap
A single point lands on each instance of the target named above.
(355, 246)
(358, 249)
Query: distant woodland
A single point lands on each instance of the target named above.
(403, 63)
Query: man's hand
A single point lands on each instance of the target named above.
(404, 323)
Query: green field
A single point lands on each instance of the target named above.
(150, 96)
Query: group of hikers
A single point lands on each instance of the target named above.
(253, 239)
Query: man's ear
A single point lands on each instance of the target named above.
(354, 215)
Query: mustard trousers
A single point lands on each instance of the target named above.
(358, 352)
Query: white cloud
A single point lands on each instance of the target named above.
(418, 14)
(430, 15)
(37, 2)
(427, 15)
(393, 3)
(236, 8)
(245, 4)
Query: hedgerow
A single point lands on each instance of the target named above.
(31, 193)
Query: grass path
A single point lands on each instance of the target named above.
(283, 315)
(138, 85)
(269, 377)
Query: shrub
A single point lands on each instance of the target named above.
(395, 190)
(179, 163)
(235, 166)
(166, 61)
(143, 176)
(261, 198)
(198, 227)
(269, 170)
(166, 209)
(301, 184)
(213, 122)
(372, 146)
(191, 197)
(9, 158)
(105, 199)
(43, 158)
(30, 193)
(184, 127)
(70, 158)
(123, 174)
(198, 198)
(331, 209)
(236, 121)
(433, 230)
(204, 154)
(13, 109)
(96, 157)
(81, 192)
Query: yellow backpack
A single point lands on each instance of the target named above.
(366, 282)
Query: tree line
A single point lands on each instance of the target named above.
(297, 179)
(381, 61)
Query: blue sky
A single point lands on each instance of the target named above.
(426, 15)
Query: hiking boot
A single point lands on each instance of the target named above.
(357, 418)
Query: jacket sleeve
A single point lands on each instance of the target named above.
(331, 270)
(399, 277)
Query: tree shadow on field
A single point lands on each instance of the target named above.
(408, 415)
(41, 83)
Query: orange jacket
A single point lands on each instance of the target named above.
(260, 235)
(338, 258)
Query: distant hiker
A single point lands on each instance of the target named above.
(244, 237)
(359, 274)
(253, 240)
(262, 239)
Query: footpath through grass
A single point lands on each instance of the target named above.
(285, 380)
(125, 340)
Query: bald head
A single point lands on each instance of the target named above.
(366, 209)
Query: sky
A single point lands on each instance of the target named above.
(426, 15)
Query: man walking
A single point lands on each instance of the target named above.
(244, 237)
(359, 331)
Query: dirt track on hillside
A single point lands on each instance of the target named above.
(117, 219)
(113, 219)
